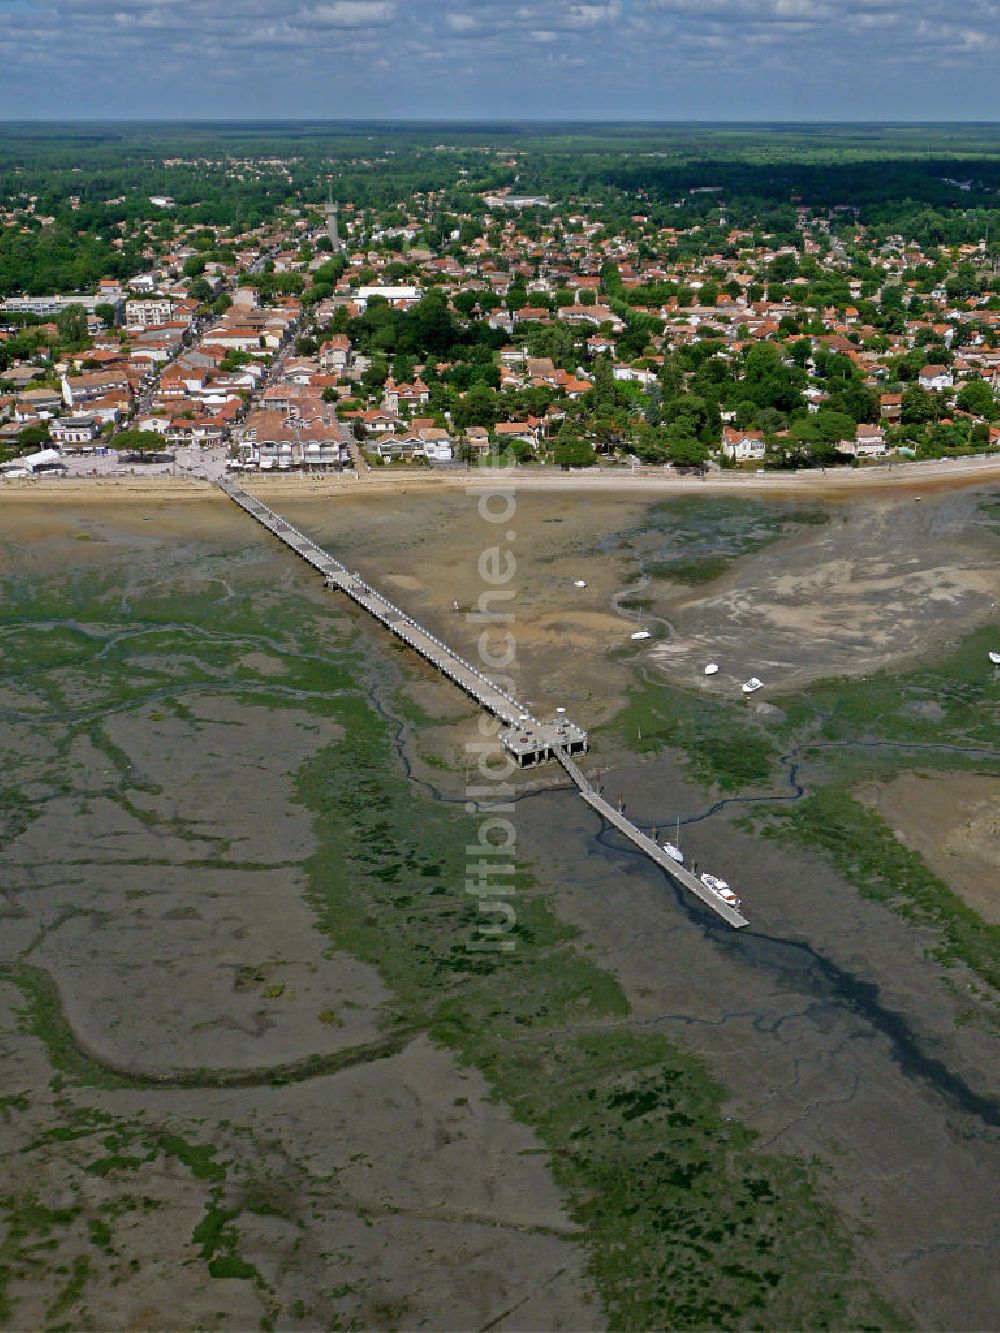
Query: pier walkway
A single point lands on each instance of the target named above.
(651, 848)
(527, 739)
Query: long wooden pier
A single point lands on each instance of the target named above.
(526, 738)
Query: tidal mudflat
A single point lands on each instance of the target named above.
(251, 1075)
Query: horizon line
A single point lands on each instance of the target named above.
(488, 121)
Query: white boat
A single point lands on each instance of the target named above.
(995, 658)
(674, 852)
(579, 583)
(642, 634)
(720, 887)
(712, 669)
(752, 685)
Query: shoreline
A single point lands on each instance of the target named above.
(833, 484)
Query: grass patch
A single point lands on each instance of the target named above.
(722, 746)
(954, 698)
(73, 1290)
(690, 571)
(29, 1224)
(695, 540)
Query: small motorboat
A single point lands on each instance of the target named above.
(579, 583)
(995, 658)
(752, 685)
(642, 634)
(712, 669)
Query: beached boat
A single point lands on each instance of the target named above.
(995, 658)
(642, 634)
(579, 583)
(752, 685)
(712, 669)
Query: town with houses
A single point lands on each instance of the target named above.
(331, 339)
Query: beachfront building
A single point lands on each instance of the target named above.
(271, 440)
(77, 430)
(868, 442)
(743, 446)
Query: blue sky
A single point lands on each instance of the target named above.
(490, 59)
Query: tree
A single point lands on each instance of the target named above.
(138, 441)
(478, 407)
(800, 351)
(976, 397)
(429, 326)
(72, 325)
(685, 451)
(33, 436)
(919, 406)
(200, 290)
(570, 450)
(856, 400)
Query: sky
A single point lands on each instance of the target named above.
(501, 59)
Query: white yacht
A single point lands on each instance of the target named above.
(712, 669)
(674, 852)
(752, 685)
(720, 887)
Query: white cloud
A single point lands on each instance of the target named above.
(651, 58)
(352, 13)
(461, 22)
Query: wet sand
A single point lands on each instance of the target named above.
(881, 582)
(833, 1030)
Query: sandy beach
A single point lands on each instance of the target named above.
(271, 487)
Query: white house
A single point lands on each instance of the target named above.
(742, 446)
(82, 429)
(634, 375)
(936, 377)
(868, 442)
(400, 297)
(436, 445)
